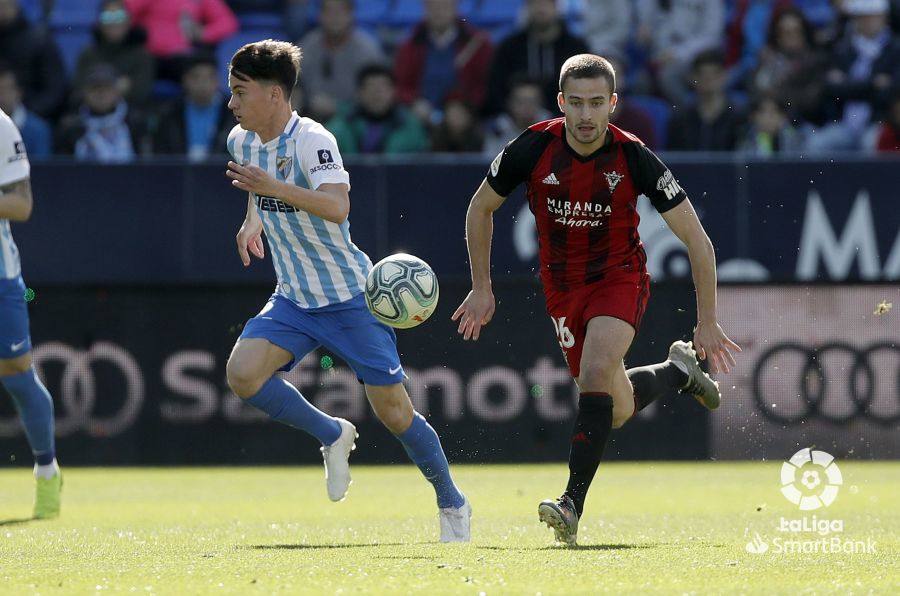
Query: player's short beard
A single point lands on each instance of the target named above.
(573, 131)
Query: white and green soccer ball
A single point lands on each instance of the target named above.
(401, 291)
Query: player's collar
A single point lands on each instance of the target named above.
(292, 124)
(289, 129)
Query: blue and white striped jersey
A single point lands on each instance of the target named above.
(14, 167)
(316, 262)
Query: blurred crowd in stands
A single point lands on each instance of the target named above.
(114, 80)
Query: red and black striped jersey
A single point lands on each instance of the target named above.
(585, 206)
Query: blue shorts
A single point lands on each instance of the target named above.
(347, 329)
(15, 340)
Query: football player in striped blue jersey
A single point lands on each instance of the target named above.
(17, 375)
(299, 199)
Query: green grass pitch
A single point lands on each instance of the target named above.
(650, 528)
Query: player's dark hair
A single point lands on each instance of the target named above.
(710, 57)
(268, 60)
(587, 66)
(373, 70)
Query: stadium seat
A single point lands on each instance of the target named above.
(659, 111)
(371, 12)
(410, 12)
(74, 13)
(368, 14)
(260, 20)
(468, 10)
(405, 12)
(31, 9)
(71, 42)
(490, 13)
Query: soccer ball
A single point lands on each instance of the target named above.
(401, 291)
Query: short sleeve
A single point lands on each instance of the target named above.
(653, 178)
(320, 158)
(512, 166)
(231, 143)
(14, 164)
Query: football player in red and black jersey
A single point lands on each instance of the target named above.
(583, 177)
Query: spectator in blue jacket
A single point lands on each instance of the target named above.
(36, 133)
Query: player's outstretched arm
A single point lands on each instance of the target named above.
(709, 338)
(249, 237)
(478, 307)
(16, 201)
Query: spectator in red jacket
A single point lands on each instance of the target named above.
(444, 56)
(889, 132)
(177, 27)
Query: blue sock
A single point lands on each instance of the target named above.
(35, 407)
(281, 400)
(424, 448)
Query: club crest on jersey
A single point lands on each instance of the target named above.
(284, 165)
(613, 179)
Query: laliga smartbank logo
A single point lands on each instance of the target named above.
(811, 480)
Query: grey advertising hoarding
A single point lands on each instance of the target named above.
(820, 367)
(138, 377)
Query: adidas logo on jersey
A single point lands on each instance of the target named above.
(551, 179)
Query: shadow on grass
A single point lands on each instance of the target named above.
(576, 547)
(16, 521)
(327, 546)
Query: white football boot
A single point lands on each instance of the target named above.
(699, 384)
(456, 523)
(560, 514)
(337, 464)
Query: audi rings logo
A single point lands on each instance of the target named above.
(810, 479)
(835, 382)
(79, 405)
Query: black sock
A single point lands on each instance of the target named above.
(592, 428)
(654, 381)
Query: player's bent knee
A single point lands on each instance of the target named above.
(243, 378)
(394, 410)
(396, 418)
(597, 375)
